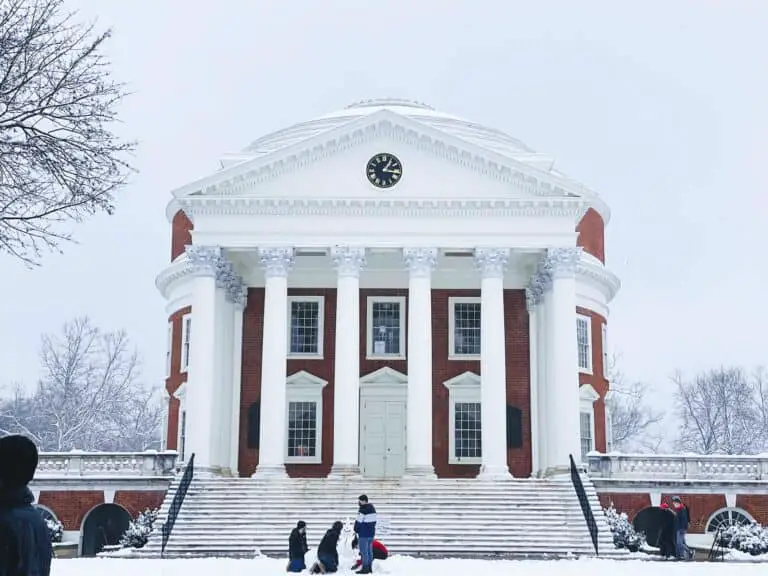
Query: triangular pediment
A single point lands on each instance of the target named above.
(384, 375)
(332, 164)
(463, 381)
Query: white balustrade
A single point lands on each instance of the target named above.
(101, 464)
(678, 467)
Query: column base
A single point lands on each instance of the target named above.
(494, 473)
(270, 472)
(420, 472)
(345, 472)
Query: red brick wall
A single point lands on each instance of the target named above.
(518, 374)
(71, 507)
(322, 369)
(181, 236)
(136, 501)
(756, 505)
(591, 232)
(177, 378)
(598, 378)
(630, 504)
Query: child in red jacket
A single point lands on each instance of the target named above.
(380, 552)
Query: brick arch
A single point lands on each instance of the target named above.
(591, 230)
(121, 518)
(70, 507)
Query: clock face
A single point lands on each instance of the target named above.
(384, 170)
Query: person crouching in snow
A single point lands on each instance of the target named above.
(297, 547)
(327, 551)
(380, 552)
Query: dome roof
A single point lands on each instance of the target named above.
(477, 134)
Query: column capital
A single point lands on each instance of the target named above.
(204, 260)
(562, 262)
(225, 273)
(491, 262)
(420, 261)
(277, 261)
(531, 299)
(348, 260)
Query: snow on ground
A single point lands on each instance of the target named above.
(401, 566)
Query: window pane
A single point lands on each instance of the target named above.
(582, 335)
(467, 440)
(305, 327)
(302, 429)
(586, 434)
(386, 328)
(183, 439)
(466, 328)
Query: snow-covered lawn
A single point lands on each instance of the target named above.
(400, 566)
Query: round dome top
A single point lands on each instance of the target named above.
(472, 132)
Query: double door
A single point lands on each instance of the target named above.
(382, 437)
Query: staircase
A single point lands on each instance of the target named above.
(238, 517)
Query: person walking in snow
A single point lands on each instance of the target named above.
(682, 520)
(328, 552)
(297, 547)
(365, 528)
(25, 545)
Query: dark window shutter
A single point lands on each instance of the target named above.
(254, 424)
(514, 427)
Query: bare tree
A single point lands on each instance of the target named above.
(720, 412)
(60, 161)
(633, 422)
(90, 395)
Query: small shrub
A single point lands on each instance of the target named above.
(139, 529)
(624, 535)
(751, 539)
(55, 530)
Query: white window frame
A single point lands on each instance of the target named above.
(608, 424)
(588, 319)
(401, 300)
(168, 350)
(604, 334)
(587, 398)
(462, 388)
(165, 420)
(181, 395)
(186, 328)
(730, 510)
(452, 301)
(305, 387)
(318, 355)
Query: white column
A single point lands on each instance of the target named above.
(239, 295)
(493, 370)
(563, 362)
(420, 262)
(542, 374)
(533, 385)
(222, 399)
(277, 263)
(348, 261)
(201, 372)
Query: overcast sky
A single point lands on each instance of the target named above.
(661, 107)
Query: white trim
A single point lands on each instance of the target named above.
(587, 398)
(588, 319)
(166, 418)
(462, 388)
(181, 422)
(186, 328)
(730, 511)
(369, 354)
(318, 355)
(452, 301)
(44, 507)
(384, 375)
(169, 350)
(604, 345)
(305, 387)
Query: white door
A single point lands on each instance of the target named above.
(382, 437)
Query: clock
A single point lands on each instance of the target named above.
(384, 170)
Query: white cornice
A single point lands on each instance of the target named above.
(180, 268)
(242, 178)
(383, 207)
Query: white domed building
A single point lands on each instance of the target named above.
(387, 290)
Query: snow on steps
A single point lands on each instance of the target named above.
(236, 517)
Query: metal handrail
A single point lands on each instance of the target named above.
(178, 500)
(586, 509)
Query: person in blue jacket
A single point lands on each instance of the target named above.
(25, 544)
(365, 528)
(682, 520)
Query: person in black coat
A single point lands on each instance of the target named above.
(25, 544)
(297, 547)
(327, 551)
